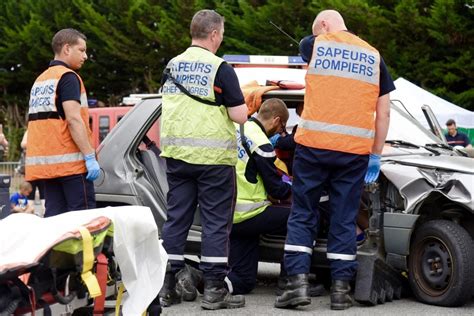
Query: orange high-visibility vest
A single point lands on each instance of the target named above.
(342, 89)
(51, 151)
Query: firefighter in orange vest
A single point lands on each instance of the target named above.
(339, 144)
(59, 137)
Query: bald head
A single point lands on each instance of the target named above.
(328, 21)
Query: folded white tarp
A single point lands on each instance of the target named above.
(138, 251)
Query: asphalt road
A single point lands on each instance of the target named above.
(260, 302)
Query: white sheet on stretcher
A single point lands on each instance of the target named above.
(139, 253)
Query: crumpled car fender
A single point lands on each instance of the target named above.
(415, 184)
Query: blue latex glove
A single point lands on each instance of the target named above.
(274, 139)
(286, 179)
(374, 168)
(93, 168)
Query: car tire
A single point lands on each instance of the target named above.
(440, 264)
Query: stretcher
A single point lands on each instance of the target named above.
(75, 265)
(72, 259)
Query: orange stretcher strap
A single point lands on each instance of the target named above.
(101, 273)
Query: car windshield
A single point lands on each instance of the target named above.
(406, 128)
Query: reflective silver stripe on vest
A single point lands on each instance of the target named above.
(298, 249)
(176, 257)
(337, 128)
(84, 103)
(324, 198)
(264, 154)
(214, 259)
(247, 207)
(340, 256)
(51, 160)
(197, 142)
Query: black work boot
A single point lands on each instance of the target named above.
(315, 289)
(169, 293)
(340, 295)
(189, 279)
(216, 296)
(296, 292)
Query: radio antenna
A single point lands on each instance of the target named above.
(281, 30)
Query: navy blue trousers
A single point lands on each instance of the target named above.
(343, 174)
(213, 187)
(70, 193)
(244, 241)
(36, 184)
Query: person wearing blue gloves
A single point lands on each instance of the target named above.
(60, 149)
(339, 143)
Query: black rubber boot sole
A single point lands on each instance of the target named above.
(340, 306)
(294, 302)
(221, 305)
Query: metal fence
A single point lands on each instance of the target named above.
(8, 168)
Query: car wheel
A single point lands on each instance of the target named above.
(440, 264)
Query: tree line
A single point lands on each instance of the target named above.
(429, 42)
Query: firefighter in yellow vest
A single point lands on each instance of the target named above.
(258, 183)
(59, 137)
(340, 139)
(201, 98)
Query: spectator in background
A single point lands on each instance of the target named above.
(35, 184)
(456, 138)
(3, 144)
(19, 200)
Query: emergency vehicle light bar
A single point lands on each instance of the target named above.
(264, 60)
(133, 99)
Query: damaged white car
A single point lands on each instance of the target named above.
(420, 212)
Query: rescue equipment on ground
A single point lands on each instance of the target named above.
(67, 260)
(78, 263)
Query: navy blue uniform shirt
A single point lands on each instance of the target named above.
(69, 88)
(460, 139)
(227, 81)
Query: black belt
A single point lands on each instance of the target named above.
(44, 116)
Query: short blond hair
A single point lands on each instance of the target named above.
(25, 185)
